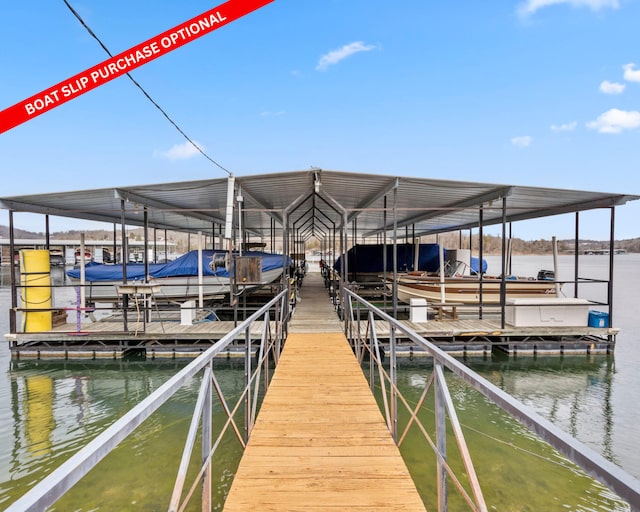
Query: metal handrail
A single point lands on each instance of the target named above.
(443, 401)
(51, 488)
(623, 484)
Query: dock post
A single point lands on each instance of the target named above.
(247, 375)
(207, 412)
(441, 441)
(393, 376)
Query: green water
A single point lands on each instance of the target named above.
(517, 472)
(59, 407)
(76, 401)
(49, 410)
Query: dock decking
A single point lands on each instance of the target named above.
(167, 337)
(320, 441)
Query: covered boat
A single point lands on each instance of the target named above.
(366, 262)
(178, 279)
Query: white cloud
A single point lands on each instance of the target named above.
(335, 56)
(565, 127)
(529, 7)
(615, 121)
(631, 74)
(607, 87)
(180, 151)
(522, 142)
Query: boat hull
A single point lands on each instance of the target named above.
(467, 290)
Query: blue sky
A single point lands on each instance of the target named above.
(537, 92)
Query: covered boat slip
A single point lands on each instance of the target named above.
(179, 279)
(336, 210)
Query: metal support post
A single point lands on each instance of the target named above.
(247, 382)
(384, 256)
(441, 442)
(14, 296)
(480, 256)
(611, 256)
(395, 252)
(393, 376)
(503, 283)
(576, 253)
(207, 434)
(124, 249)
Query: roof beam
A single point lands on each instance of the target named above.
(332, 203)
(493, 195)
(19, 206)
(591, 204)
(267, 209)
(298, 201)
(162, 205)
(471, 202)
(368, 201)
(132, 197)
(605, 202)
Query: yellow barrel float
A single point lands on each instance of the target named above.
(35, 281)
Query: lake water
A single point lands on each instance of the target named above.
(48, 410)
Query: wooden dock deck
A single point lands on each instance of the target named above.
(320, 441)
(167, 337)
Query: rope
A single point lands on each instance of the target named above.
(153, 102)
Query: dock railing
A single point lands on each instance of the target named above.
(360, 329)
(275, 315)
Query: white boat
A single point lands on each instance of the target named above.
(466, 289)
(459, 285)
(177, 280)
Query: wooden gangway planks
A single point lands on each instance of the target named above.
(320, 441)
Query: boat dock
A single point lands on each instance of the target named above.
(320, 440)
(285, 210)
(167, 337)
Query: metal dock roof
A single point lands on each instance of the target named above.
(321, 200)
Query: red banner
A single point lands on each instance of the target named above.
(126, 61)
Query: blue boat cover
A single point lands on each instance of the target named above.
(368, 258)
(185, 265)
(474, 264)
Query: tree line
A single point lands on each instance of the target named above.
(492, 244)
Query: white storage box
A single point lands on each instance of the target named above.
(418, 310)
(547, 312)
(187, 312)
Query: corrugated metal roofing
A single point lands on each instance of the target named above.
(317, 200)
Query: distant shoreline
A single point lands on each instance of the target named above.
(492, 245)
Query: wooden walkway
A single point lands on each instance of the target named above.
(320, 441)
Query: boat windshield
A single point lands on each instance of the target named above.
(457, 269)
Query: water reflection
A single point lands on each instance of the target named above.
(573, 392)
(59, 406)
(38, 414)
(517, 471)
